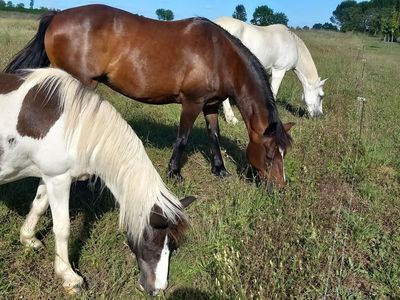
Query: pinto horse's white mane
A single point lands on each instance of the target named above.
(106, 145)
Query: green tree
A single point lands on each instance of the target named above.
(165, 14)
(348, 15)
(2, 4)
(20, 5)
(325, 26)
(395, 19)
(9, 4)
(374, 16)
(329, 26)
(262, 16)
(240, 13)
(372, 20)
(31, 3)
(280, 18)
(317, 26)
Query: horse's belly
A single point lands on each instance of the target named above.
(11, 174)
(15, 162)
(22, 156)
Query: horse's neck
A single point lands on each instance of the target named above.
(250, 100)
(305, 68)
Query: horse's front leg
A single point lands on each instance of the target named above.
(39, 206)
(211, 115)
(189, 113)
(276, 79)
(58, 188)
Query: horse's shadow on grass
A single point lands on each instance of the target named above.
(163, 136)
(88, 200)
(295, 110)
(188, 294)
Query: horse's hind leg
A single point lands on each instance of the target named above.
(58, 188)
(39, 206)
(217, 163)
(189, 113)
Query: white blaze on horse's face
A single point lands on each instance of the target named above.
(313, 97)
(161, 272)
(282, 153)
(152, 255)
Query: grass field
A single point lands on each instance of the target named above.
(333, 232)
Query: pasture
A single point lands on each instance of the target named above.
(333, 232)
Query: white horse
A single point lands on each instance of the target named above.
(54, 128)
(279, 50)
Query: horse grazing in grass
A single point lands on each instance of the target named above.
(193, 62)
(53, 127)
(279, 50)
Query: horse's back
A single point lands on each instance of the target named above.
(273, 45)
(131, 53)
(282, 46)
(233, 26)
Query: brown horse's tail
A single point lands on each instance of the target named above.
(34, 54)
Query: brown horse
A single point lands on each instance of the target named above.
(193, 62)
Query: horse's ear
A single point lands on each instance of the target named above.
(157, 218)
(187, 201)
(271, 130)
(288, 126)
(321, 82)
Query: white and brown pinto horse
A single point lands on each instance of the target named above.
(279, 50)
(54, 128)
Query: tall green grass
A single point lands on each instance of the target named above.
(333, 232)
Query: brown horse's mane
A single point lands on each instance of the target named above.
(275, 126)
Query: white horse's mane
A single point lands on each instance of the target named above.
(107, 146)
(304, 59)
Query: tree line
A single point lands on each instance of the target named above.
(262, 16)
(373, 17)
(10, 6)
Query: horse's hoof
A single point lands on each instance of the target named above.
(220, 172)
(73, 290)
(32, 243)
(175, 175)
(73, 284)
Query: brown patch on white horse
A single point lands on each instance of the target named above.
(38, 113)
(9, 83)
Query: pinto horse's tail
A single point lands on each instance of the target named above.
(34, 54)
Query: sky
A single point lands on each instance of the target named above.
(299, 12)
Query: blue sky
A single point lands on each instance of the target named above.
(299, 12)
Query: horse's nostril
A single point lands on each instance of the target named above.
(153, 293)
